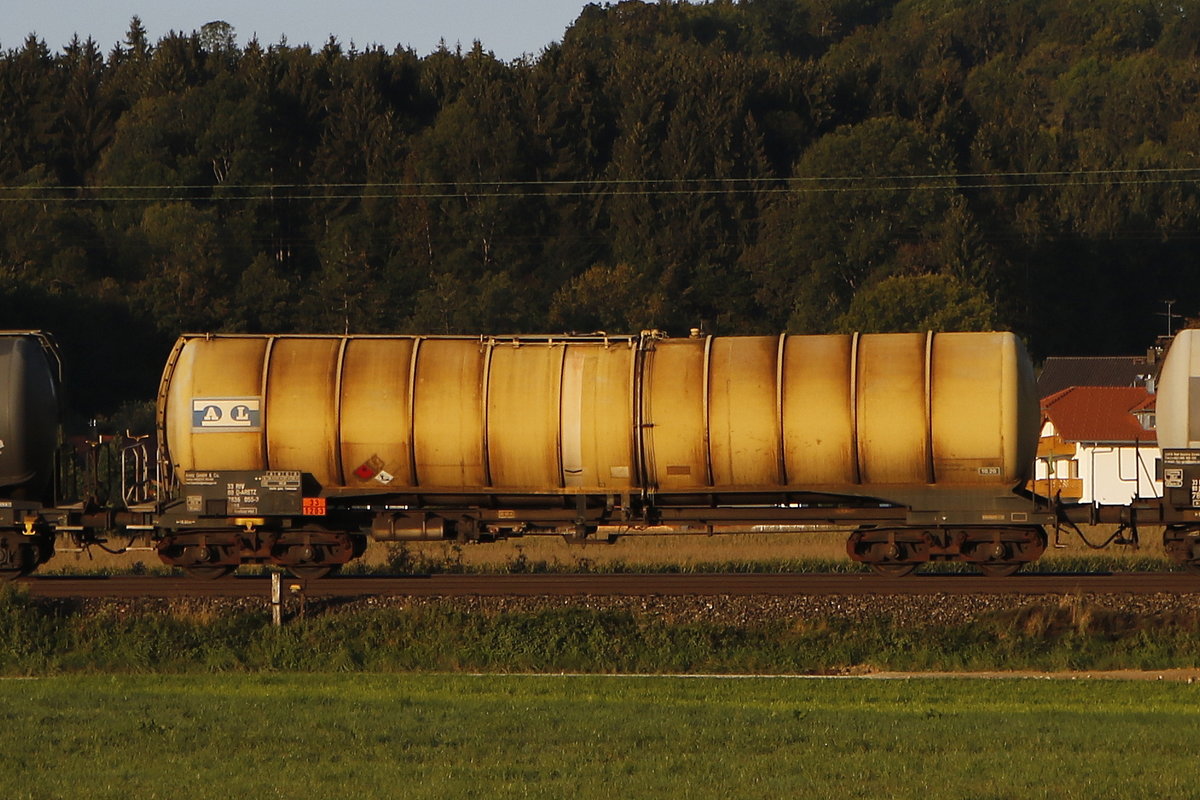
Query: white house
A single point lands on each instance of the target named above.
(1098, 445)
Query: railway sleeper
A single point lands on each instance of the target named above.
(306, 553)
(995, 552)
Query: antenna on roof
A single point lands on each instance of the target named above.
(1170, 316)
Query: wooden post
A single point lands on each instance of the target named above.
(276, 599)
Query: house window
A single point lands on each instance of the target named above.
(1066, 468)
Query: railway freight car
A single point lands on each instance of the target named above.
(292, 450)
(30, 378)
(1178, 427)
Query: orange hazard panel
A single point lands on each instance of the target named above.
(314, 506)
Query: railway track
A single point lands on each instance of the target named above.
(644, 585)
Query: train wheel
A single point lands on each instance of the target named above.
(893, 570)
(314, 553)
(1000, 552)
(208, 572)
(312, 572)
(18, 556)
(1182, 545)
(996, 569)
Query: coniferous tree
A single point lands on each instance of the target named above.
(746, 167)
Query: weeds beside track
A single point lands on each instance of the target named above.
(665, 635)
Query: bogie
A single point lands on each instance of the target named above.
(995, 552)
(310, 552)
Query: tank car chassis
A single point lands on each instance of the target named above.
(223, 519)
(212, 522)
(216, 521)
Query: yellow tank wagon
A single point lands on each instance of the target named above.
(293, 449)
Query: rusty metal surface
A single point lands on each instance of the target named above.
(302, 407)
(893, 409)
(218, 368)
(982, 400)
(376, 420)
(674, 415)
(449, 398)
(523, 416)
(598, 417)
(744, 429)
(615, 585)
(817, 409)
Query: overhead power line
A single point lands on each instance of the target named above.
(601, 187)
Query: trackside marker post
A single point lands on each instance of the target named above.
(276, 599)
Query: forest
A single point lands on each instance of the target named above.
(759, 166)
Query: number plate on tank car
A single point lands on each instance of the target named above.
(234, 493)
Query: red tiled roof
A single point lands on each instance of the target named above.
(1099, 413)
(1149, 404)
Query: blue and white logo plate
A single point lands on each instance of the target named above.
(226, 414)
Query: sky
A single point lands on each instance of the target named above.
(509, 28)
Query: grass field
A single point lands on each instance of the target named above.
(426, 736)
(218, 705)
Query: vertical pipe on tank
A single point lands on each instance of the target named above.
(854, 454)
(337, 413)
(635, 412)
(635, 477)
(929, 474)
(489, 347)
(779, 358)
(412, 410)
(262, 392)
(558, 429)
(643, 454)
(707, 422)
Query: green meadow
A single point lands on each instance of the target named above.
(437, 736)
